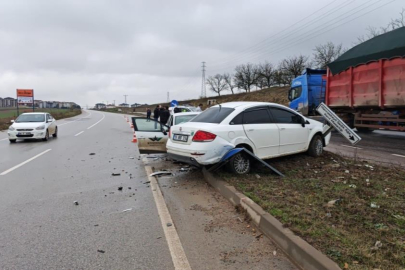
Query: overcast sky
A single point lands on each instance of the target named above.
(98, 51)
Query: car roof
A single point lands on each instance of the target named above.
(245, 104)
(186, 113)
(35, 113)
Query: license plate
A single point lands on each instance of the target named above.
(181, 138)
(24, 133)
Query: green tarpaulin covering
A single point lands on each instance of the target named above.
(385, 46)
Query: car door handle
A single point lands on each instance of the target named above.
(251, 130)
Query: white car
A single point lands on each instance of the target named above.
(182, 109)
(152, 135)
(268, 130)
(33, 126)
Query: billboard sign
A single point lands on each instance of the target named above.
(25, 96)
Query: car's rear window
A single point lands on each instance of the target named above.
(214, 115)
(183, 118)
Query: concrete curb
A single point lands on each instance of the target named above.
(298, 250)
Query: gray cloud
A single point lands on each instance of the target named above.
(93, 51)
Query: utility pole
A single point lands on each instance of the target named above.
(168, 98)
(203, 89)
(125, 98)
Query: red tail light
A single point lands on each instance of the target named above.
(203, 136)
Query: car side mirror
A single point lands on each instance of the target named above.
(12, 121)
(303, 122)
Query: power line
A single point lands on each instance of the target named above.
(289, 33)
(203, 88)
(308, 35)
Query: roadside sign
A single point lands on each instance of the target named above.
(174, 103)
(25, 97)
(338, 123)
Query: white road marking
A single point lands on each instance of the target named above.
(97, 122)
(79, 133)
(398, 155)
(351, 146)
(25, 162)
(179, 258)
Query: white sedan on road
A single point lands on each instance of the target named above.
(266, 129)
(33, 126)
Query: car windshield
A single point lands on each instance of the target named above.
(183, 118)
(213, 115)
(24, 118)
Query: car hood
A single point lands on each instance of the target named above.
(27, 125)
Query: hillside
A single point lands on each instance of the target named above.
(273, 94)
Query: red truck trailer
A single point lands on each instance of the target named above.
(366, 85)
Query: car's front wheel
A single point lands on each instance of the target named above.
(12, 140)
(46, 136)
(239, 163)
(56, 133)
(316, 146)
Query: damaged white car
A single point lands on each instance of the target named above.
(267, 130)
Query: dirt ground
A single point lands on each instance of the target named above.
(213, 233)
(354, 212)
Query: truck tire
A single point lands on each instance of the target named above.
(239, 164)
(316, 146)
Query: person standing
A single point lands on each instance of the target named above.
(164, 115)
(199, 108)
(148, 114)
(156, 113)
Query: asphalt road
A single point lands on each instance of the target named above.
(387, 147)
(42, 228)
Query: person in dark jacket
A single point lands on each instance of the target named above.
(148, 114)
(156, 113)
(164, 115)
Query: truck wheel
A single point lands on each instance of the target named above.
(239, 164)
(316, 146)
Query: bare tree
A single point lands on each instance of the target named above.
(265, 74)
(294, 66)
(374, 31)
(280, 78)
(326, 53)
(229, 81)
(245, 76)
(217, 83)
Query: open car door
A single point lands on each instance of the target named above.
(152, 135)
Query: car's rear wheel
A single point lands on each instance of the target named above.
(239, 163)
(13, 141)
(316, 146)
(56, 133)
(46, 136)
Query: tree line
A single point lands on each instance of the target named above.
(264, 75)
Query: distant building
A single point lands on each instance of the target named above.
(9, 102)
(126, 105)
(110, 106)
(100, 106)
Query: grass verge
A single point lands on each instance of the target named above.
(353, 212)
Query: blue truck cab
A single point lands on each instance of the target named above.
(308, 91)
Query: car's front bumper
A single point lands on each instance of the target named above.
(34, 134)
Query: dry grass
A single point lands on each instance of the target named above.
(348, 230)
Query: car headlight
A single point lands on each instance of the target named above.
(11, 128)
(40, 127)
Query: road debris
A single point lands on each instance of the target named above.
(333, 202)
(352, 186)
(120, 188)
(131, 158)
(377, 245)
(115, 174)
(161, 173)
(92, 154)
(100, 251)
(374, 205)
(147, 182)
(159, 237)
(129, 187)
(169, 224)
(76, 203)
(126, 210)
(257, 176)
(274, 253)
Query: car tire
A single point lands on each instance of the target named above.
(316, 146)
(13, 141)
(46, 136)
(239, 163)
(56, 133)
